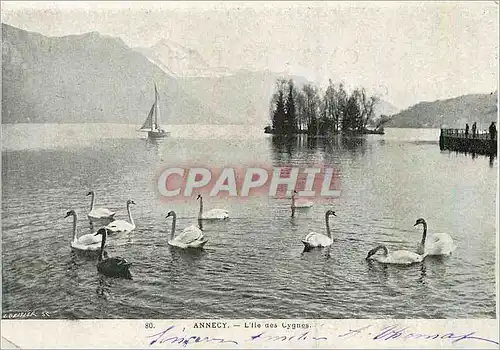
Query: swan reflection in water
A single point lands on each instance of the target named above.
(324, 251)
(189, 256)
(383, 271)
(103, 287)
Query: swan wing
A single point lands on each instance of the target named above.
(315, 239)
(89, 239)
(101, 213)
(404, 257)
(116, 266)
(439, 244)
(189, 235)
(119, 261)
(216, 214)
(120, 226)
(86, 247)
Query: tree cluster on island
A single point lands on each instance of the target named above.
(305, 111)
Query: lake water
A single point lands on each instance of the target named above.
(253, 265)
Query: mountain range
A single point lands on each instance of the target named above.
(450, 113)
(82, 78)
(97, 78)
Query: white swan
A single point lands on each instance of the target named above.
(399, 257)
(214, 214)
(118, 226)
(87, 242)
(316, 240)
(299, 203)
(191, 237)
(435, 244)
(98, 213)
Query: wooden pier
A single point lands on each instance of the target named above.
(458, 140)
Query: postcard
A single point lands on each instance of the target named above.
(249, 175)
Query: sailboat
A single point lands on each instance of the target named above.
(151, 124)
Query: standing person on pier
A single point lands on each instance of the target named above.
(474, 127)
(493, 131)
(467, 130)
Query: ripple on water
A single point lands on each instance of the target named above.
(253, 265)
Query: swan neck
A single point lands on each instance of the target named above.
(130, 215)
(293, 211)
(92, 202)
(424, 235)
(174, 220)
(103, 243)
(293, 200)
(201, 208)
(384, 248)
(328, 226)
(74, 227)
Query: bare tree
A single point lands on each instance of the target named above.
(311, 107)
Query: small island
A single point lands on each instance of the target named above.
(305, 111)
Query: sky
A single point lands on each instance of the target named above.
(403, 52)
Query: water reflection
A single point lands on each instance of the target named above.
(378, 273)
(324, 251)
(314, 148)
(189, 256)
(103, 288)
(423, 273)
(155, 145)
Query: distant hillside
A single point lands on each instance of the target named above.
(86, 78)
(96, 78)
(452, 113)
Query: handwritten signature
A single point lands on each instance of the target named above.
(168, 336)
(179, 336)
(404, 333)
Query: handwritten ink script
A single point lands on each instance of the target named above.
(172, 335)
(175, 336)
(404, 333)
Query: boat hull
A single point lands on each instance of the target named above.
(158, 134)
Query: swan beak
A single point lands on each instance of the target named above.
(416, 224)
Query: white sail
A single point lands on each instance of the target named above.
(151, 122)
(157, 109)
(148, 124)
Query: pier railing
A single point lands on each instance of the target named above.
(485, 135)
(457, 140)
